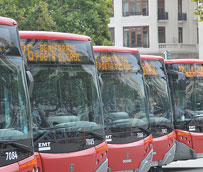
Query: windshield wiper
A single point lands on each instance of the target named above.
(147, 131)
(48, 131)
(198, 116)
(100, 136)
(118, 122)
(193, 116)
(17, 145)
(130, 126)
(163, 125)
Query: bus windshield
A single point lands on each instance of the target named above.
(15, 121)
(66, 96)
(66, 104)
(160, 110)
(123, 95)
(186, 81)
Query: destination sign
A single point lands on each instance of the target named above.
(148, 68)
(113, 63)
(60, 51)
(191, 70)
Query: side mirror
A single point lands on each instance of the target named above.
(172, 72)
(181, 78)
(181, 81)
(30, 82)
(148, 90)
(182, 84)
(101, 83)
(2, 51)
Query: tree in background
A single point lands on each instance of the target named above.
(30, 14)
(87, 17)
(199, 9)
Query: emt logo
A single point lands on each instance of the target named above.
(44, 146)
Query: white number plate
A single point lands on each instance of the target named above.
(11, 155)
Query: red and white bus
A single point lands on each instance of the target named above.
(66, 102)
(126, 117)
(160, 111)
(16, 146)
(186, 83)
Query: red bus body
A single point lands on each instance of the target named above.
(189, 143)
(7, 21)
(88, 160)
(30, 163)
(140, 151)
(81, 159)
(164, 146)
(22, 166)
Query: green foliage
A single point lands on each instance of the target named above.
(87, 17)
(30, 14)
(199, 9)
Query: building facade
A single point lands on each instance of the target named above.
(154, 26)
(201, 40)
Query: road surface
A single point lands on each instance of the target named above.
(187, 166)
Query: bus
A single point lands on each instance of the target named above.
(126, 117)
(66, 102)
(16, 145)
(160, 111)
(186, 83)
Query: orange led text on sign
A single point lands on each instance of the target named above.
(113, 63)
(149, 69)
(51, 53)
(196, 71)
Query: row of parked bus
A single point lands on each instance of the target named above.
(69, 107)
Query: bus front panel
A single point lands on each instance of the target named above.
(125, 110)
(160, 111)
(66, 105)
(186, 82)
(16, 146)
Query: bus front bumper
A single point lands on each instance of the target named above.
(103, 167)
(146, 163)
(168, 157)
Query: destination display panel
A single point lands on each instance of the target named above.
(106, 61)
(57, 51)
(190, 70)
(148, 68)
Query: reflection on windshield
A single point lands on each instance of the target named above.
(66, 97)
(9, 41)
(188, 100)
(124, 99)
(159, 104)
(14, 118)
